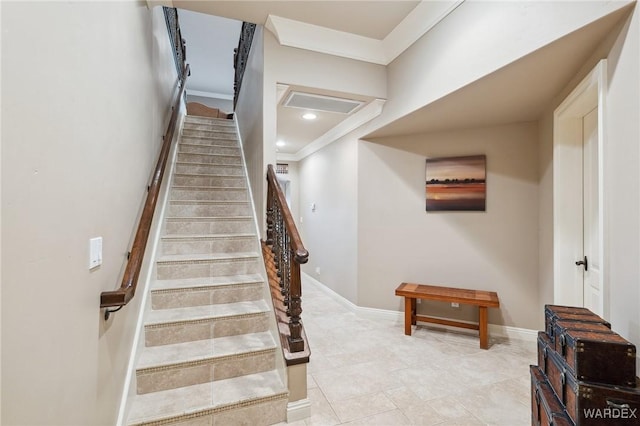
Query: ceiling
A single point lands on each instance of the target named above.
(297, 132)
(519, 92)
(212, 63)
(210, 43)
(374, 19)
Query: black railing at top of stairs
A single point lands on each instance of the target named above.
(241, 55)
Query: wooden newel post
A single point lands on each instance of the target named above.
(296, 342)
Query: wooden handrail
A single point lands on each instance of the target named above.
(302, 255)
(122, 296)
(289, 253)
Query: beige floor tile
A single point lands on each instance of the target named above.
(298, 423)
(434, 377)
(321, 412)
(362, 406)
(521, 388)
(311, 383)
(430, 383)
(453, 411)
(344, 385)
(422, 415)
(388, 418)
(403, 397)
(497, 405)
(383, 355)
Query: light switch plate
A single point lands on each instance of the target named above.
(95, 252)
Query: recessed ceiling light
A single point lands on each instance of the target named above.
(280, 143)
(309, 116)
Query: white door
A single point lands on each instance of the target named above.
(592, 244)
(579, 271)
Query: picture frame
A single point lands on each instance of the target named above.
(456, 183)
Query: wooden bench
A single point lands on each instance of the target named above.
(479, 298)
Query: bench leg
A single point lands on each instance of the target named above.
(408, 314)
(484, 336)
(413, 312)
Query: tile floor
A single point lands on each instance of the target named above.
(367, 372)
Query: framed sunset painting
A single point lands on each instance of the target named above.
(456, 183)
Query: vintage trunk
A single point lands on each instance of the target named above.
(537, 376)
(554, 313)
(599, 357)
(561, 326)
(589, 403)
(546, 409)
(544, 346)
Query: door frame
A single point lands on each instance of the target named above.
(567, 176)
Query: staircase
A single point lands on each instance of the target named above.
(211, 354)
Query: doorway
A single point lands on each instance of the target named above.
(578, 236)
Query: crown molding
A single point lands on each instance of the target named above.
(281, 89)
(153, 3)
(325, 40)
(417, 23)
(209, 94)
(301, 35)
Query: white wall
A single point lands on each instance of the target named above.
(294, 189)
(329, 179)
(497, 250)
(476, 39)
(86, 90)
(458, 51)
(249, 116)
(621, 180)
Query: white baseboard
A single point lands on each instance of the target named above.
(338, 298)
(298, 410)
(495, 330)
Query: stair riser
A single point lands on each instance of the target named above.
(267, 413)
(195, 120)
(210, 159)
(214, 210)
(194, 180)
(209, 134)
(216, 127)
(217, 268)
(257, 414)
(206, 296)
(213, 227)
(187, 332)
(230, 142)
(210, 194)
(204, 149)
(207, 372)
(210, 169)
(215, 245)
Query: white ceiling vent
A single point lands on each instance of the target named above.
(321, 103)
